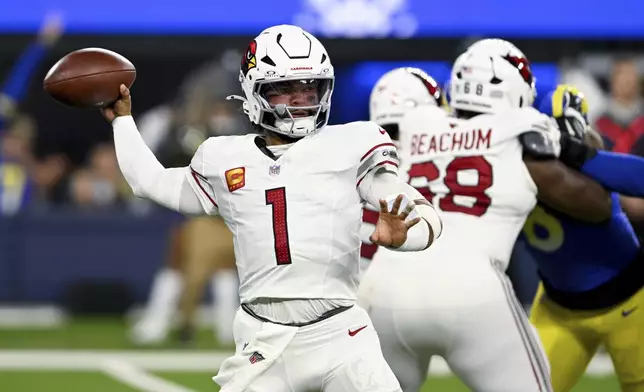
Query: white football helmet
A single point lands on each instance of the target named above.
(400, 90)
(286, 60)
(492, 75)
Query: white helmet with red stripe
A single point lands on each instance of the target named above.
(401, 90)
(492, 75)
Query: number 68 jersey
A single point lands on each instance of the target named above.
(295, 218)
(473, 173)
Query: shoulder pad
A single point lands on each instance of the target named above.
(527, 118)
(539, 145)
(365, 134)
(511, 124)
(217, 150)
(374, 149)
(424, 120)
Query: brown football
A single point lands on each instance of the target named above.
(89, 78)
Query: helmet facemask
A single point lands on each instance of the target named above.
(295, 106)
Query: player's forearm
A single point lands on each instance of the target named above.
(569, 191)
(633, 207)
(428, 215)
(387, 186)
(621, 173)
(146, 176)
(423, 234)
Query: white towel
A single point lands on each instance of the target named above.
(266, 346)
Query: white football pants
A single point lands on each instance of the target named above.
(466, 313)
(339, 354)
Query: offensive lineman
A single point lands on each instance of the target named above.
(484, 169)
(396, 93)
(292, 199)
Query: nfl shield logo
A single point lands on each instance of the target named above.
(256, 357)
(274, 170)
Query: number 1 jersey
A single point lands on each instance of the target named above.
(473, 172)
(295, 219)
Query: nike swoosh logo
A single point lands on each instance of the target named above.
(355, 332)
(627, 312)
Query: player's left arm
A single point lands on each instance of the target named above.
(378, 181)
(385, 190)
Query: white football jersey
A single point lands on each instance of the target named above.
(368, 249)
(473, 173)
(295, 219)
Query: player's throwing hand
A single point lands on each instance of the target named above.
(122, 107)
(391, 228)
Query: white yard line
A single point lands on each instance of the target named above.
(139, 379)
(82, 360)
(31, 317)
(178, 361)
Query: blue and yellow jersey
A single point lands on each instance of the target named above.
(592, 289)
(14, 180)
(591, 294)
(15, 187)
(575, 256)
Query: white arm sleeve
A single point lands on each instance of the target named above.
(175, 188)
(384, 185)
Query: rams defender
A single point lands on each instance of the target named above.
(592, 274)
(396, 93)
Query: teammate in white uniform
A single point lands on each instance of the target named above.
(483, 169)
(396, 92)
(292, 199)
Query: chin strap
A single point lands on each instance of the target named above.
(281, 113)
(239, 98)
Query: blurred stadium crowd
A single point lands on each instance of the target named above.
(38, 176)
(42, 175)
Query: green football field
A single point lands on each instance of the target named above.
(96, 356)
(187, 381)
